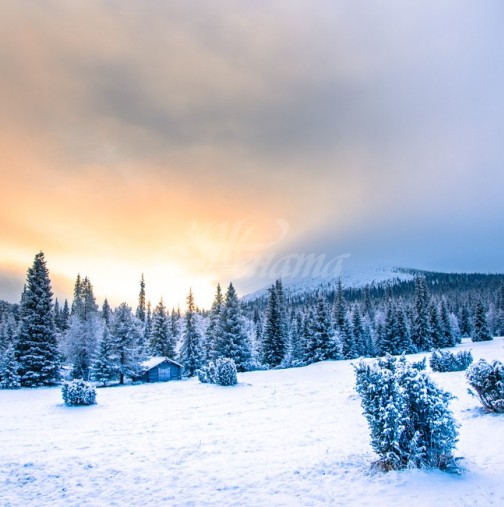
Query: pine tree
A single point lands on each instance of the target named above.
(465, 322)
(274, 338)
(106, 312)
(297, 342)
(141, 309)
(80, 341)
(191, 352)
(448, 337)
(421, 334)
(481, 332)
(349, 348)
(323, 333)
(358, 332)
(233, 342)
(126, 337)
(9, 367)
(36, 347)
(436, 328)
(339, 311)
(214, 329)
(105, 366)
(162, 342)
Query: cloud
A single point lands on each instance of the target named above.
(125, 122)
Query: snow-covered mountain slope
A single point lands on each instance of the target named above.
(349, 279)
(289, 438)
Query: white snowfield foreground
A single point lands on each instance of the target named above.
(281, 438)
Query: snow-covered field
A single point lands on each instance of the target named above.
(293, 437)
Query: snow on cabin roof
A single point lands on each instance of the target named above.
(154, 361)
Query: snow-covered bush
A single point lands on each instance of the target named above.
(206, 374)
(408, 415)
(420, 365)
(442, 361)
(487, 380)
(221, 372)
(225, 374)
(78, 392)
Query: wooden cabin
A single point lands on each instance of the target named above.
(160, 369)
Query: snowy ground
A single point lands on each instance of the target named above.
(293, 437)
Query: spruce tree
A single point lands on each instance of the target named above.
(339, 311)
(9, 367)
(274, 339)
(233, 342)
(141, 308)
(162, 342)
(481, 332)
(436, 327)
(421, 333)
(126, 338)
(297, 342)
(358, 332)
(36, 347)
(214, 329)
(106, 312)
(80, 341)
(105, 366)
(191, 352)
(448, 337)
(465, 323)
(349, 347)
(323, 337)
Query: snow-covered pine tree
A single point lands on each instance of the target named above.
(349, 347)
(36, 347)
(339, 309)
(141, 308)
(465, 322)
(162, 342)
(436, 327)
(9, 367)
(297, 343)
(274, 338)
(233, 342)
(80, 342)
(358, 332)
(448, 336)
(105, 367)
(126, 336)
(191, 352)
(214, 329)
(323, 339)
(106, 312)
(421, 332)
(481, 332)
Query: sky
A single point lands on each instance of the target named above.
(200, 142)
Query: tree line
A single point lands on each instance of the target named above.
(42, 340)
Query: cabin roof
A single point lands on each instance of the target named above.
(155, 361)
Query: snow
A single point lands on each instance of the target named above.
(154, 361)
(292, 437)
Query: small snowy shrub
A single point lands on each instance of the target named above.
(420, 365)
(443, 361)
(225, 374)
(78, 392)
(487, 380)
(206, 374)
(408, 415)
(221, 372)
